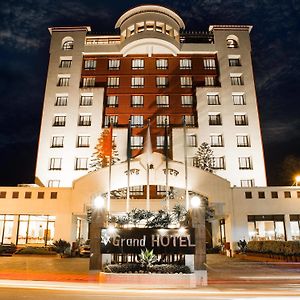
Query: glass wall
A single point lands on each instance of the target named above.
(6, 228)
(295, 227)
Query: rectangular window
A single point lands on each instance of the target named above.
(162, 100)
(57, 142)
(137, 142)
(85, 120)
(160, 142)
(113, 82)
(240, 119)
(219, 163)
(113, 64)
(185, 64)
(234, 62)
(137, 101)
(15, 195)
(40, 195)
(55, 163)
(2, 194)
(59, 121)
(209, 63)
(238, 99)
(112, 101)
(287, 194)
(186, 100)
(216, 140)
(261, 195)
(90, 64)
(213, 99)
(245, 163)
(186, 81)
(81, 163)
(209, 81)
(161, 190)
(61, 100)
(236, 79)
(53, 195)
(111, 119)
(137, 190)
(137, 82)
(88, 81)
(86, 100)
(137, 121)
(243, 141)
(53, 183)
(162, 82)
(298, 194)
(137, 64)
(248, 195)
(64, 81)
(214, 119)
(83, 141)
(161, 64)
(65, 63)
(191, 140)
(247, 183)
(28, 195)
(274, 195)
(162, 121)
(189, 121)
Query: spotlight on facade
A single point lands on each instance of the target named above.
(181, 231)
(111, 230)
(195, 201)
(297, 179)
(99, 202)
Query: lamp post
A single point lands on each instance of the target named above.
(97, 221)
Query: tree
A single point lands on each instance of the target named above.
(105, 150)
(204, 158)
(61, 246)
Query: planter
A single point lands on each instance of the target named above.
(199, 278)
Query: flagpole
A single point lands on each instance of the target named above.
(109, 169)
(167, 165)
(128, 165)
(185, 166)
(148, 167)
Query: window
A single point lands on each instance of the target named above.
(88, 81)
(55, 164)
(213, 99)
(137, 121)
(61, 100)
(57, 142)
(161, 64)
(160, 142)
(209, 63)
(83, 141)
(245, 163)
(113, 82)
(186, 100)
(247, 182)
(162, 82)
(274, 195)
(90, 64)
(236, 79)
(232, 41)
(53, 195)
(68, 45)
(209, 81)
(137, 142)
(185, 64)
(189, 121)
(63, 81)
(162, 100)
(137, 82)
(112, 101)
(240, 119)
(40, 195)
(137, 101)
(238, 99)
(261, 195)
(110, 119)
(162, 121)
(86, 100)
(2, 194)
(85, 120)
(137, 64)
(65, 63)
(161, 190)
(136, 190)
(234, 62)
(287, 194)
(81, 163)
(53, 183)
(243, 141)
(113, 64)
(219, 163)
(186, 81)
(191, 140)
(15, 195)
(216, 140)
(248, 195)
(214, 119)
(298, 194)
(28, 195)
(59, 121)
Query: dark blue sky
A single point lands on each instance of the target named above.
(24, 42)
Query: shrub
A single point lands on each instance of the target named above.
(169, 269)
(213, 250)
(8, 249)
(122, 268)
(35, 250)
(61, 246)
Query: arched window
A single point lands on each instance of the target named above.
(67, 43)
(232, 41)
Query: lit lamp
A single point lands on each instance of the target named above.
(195, 201)
(99, 202)
(297, 180)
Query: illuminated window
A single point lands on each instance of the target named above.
(65, 63)
(137, 121)
(137, 101)
(59, 121)
(160, 142)
(213, 99)
(162, 100)
(113, 82)
(209, 81)
(214, 119)
(161, 64)
(112, 101)
(68, 45)
(243, 141)
(162, 82)
(162, 121)
(191, 140)
(137, 190)
(85, 120)
(186, 81)
(86, 100)
(209, 63)
(55, 164)
(137, 64)
(219, 163)
(240, 119)
(113, 64)
(57, 142)
(63, 81)
(53, 183)
(110, 119)
(83, 141)
(216, 140)
(90, 64)
(137, 142)
(245, 163)
(81, 163)
(88, 81)
(247, 183)
(236, 79)
(234, 62)
(137, 82)
(189, 121)
(186, 100)
(238, 98)
(61, 100)
(185, 64)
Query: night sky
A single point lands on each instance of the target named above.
(24, 46)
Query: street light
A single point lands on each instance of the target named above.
(195, 201)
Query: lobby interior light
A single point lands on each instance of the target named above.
(195, 201)
(99, 202)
